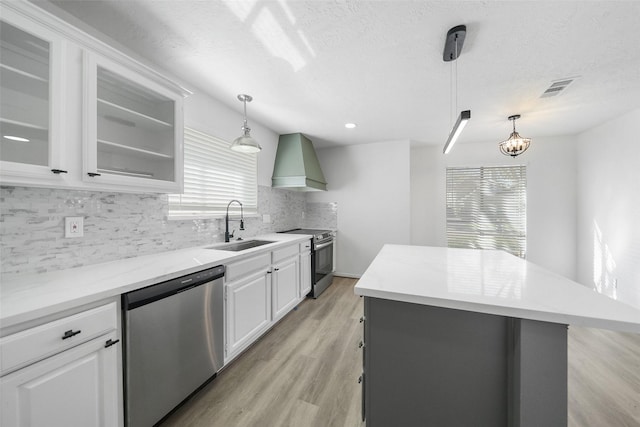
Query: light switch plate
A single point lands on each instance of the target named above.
(73, 226)
(266, 219)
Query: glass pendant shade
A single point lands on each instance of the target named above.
(245, 143)
(515, 144)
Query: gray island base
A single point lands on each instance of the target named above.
(467, 337)
(434, 366)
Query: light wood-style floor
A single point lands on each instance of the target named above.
(304, 373)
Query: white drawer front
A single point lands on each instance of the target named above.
(284, 253)
(31, 345)
(250, 265)
(305, 247)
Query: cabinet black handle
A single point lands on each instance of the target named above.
(110, 343)
(269, 272)
(92, 174)
(361, 344)
(362, 319)
(360, 380)
(58, 171)
(276, 269)
(70, 333)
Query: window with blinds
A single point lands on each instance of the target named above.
(213, 176)
(487, 208)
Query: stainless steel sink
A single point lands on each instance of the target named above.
(240, 246)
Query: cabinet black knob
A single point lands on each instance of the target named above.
(70, 333)
(360, 380)
(361, 344)
(58, 171)
(110, 343)
(92, 174)
(362, 319)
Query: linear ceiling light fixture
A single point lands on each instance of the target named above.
(515, 145)
(245, 143)
(452, 48)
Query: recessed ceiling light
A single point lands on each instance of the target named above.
(16, 138)
(350, 125)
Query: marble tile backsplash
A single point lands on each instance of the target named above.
(322, 215)
(116, 226)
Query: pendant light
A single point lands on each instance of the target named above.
(245, 143)
(452, 48)
(515, 145)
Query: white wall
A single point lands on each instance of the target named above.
(551, 200)
(609, 201)
(371, 186)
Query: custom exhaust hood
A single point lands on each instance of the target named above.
(296, 166)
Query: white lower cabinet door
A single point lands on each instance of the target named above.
(305, 274)
(285, 287)
(78, 387)
(248, 311)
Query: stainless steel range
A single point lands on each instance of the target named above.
(321, 258)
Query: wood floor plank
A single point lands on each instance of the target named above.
(304, 373)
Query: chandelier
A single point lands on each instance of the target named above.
(515, 145)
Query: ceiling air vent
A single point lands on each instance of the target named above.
(557, 87)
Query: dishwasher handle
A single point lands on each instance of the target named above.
(161, 290)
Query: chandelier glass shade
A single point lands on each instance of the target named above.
(515, 144)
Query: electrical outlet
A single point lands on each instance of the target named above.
(266, 219)
(73, 226)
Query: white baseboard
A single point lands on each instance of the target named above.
(348, 275)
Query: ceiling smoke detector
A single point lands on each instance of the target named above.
(557, 87)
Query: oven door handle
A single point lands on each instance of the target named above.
(324, 245)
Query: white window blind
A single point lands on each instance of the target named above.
(213, 176)
(487, 208)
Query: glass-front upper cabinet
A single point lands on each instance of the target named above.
(132, 128)
(30, 113)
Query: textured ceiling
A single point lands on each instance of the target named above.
(313, 66)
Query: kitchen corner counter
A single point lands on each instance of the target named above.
(27, 297)
(490, 282)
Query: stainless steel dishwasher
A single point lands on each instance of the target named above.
(173, 336)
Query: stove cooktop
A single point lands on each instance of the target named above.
(316, 233)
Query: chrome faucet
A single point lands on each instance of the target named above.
(227, 236)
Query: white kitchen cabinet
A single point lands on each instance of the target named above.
(78, 387)
(31, 110)
(79, 113)
(259, 291)
(248, 311)
(285, 286)
(65, 372)
(132, 128)
(305, 269)
(286, 279)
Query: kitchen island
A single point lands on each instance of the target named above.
(472, 337)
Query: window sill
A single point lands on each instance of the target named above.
(187, 217)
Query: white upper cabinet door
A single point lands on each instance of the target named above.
(31, 108)
(132, 129)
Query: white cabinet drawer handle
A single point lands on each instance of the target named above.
(70, 333)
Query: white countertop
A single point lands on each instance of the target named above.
(28, 297)
(492, 282)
